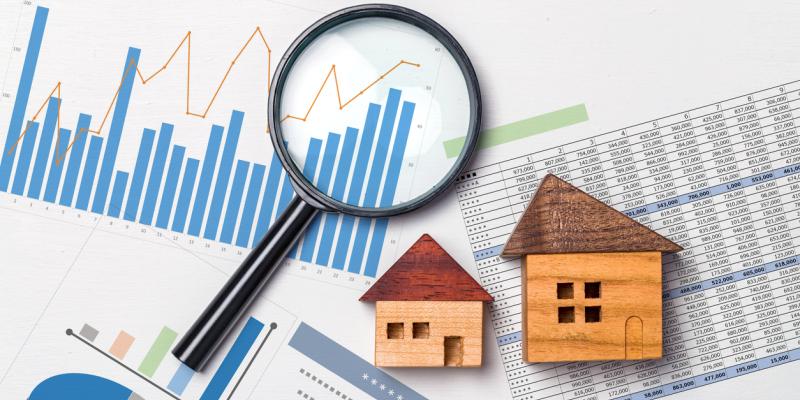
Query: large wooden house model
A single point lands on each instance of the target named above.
(591, 278)
(428, 311)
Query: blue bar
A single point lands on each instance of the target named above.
(170, 186)
(54, 176)
(339, 184)
(75, 159)
(382, 148)
(359, 243)
(117, 194)
(250, 202)
(89, 170)
(398, 152)
(323, 183)
(23, 93)
(389, 188)
(287, 192)
(181, 379)
(156, 174)
(25, 156)
(187, 186)
(364, 151)
(139, 172)
(43, 152)
(233, 360)
(354, 195)
(115, 130)
(375, 247)
(309, 171)
(234, 201)
(206, 174)
(224, 175)
(270, 196)
(375, 179)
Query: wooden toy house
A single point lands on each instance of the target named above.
(591, 278)
(428, 311)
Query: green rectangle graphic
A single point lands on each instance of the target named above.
(157, 351)
(521, 129)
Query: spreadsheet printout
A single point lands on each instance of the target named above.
(721, 180)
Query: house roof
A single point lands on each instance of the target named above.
(425, 272)
(561, 218)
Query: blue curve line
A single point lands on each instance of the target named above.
(75, 386)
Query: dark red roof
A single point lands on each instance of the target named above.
(426, 273)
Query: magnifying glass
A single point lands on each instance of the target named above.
(368, 140)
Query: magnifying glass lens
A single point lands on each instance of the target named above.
(374, 112)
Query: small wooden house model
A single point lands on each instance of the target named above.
(591, 278)
(428, 311)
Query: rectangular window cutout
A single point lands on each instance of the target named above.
(564, 290)
(592, 314)
(566, 315)
(591, 290)
(422, 330)
(394, 330)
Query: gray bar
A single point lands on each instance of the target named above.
(89, 333)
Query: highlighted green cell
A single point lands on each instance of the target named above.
(157, 352)
(522, 129)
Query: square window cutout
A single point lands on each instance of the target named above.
(422, 330)
(591, 290)
(564, 290)
(566, 315)
(394, 330)
(592, 314)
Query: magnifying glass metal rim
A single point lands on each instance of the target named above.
(306, 189)
(203, 338)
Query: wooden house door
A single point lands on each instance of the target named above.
(453, 351)
(634, 339)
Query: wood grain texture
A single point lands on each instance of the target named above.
(426, 272)
(630, 307)
(445, 319)
(561, 218)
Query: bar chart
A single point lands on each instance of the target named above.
(216, 196)
(249, 341)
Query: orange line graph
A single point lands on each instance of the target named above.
(332, 72)
(187, 41)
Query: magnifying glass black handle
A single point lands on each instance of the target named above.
(202, 339)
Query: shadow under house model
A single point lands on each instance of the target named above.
(428, 311)
(591, 278)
